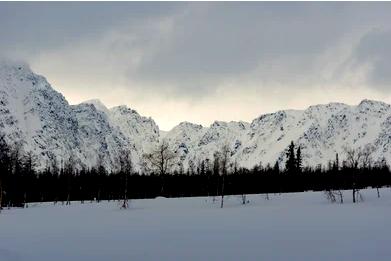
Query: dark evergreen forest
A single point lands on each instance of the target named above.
(21, 184)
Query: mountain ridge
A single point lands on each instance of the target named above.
(39, 118)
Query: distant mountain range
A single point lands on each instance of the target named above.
(33, 114)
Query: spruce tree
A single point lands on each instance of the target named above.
(202, 168)
(290, 164)
(299, 160)
(276, 168)
(336, 163)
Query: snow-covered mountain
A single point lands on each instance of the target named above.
(36, 118)
(139, 134)
(321, 131)
(40, 120)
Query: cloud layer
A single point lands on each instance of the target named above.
(205, 61)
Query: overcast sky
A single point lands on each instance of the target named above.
(202, 62)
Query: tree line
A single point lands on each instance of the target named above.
(20, 183)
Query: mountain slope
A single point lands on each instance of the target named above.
(321, 131)
(36, 118)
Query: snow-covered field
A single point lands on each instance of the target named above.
(300, 226)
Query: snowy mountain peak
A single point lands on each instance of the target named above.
(34, 115)
(98, 105)
(186, 124)
(367, 102)
(123, 109)
(371, 105)
(329, 106)
(16, 66)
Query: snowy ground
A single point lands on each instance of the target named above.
(301, 226)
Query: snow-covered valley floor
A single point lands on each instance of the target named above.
(297, 226)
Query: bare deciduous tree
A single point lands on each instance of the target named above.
(383, 166)
(29, 162)
(355, 158)
(244, 199)
(367, 152)
(216, 171)
(333, 195)
(126, 166)
(4, 164)
(366, 159)
(68, 171)
(160, 160)
(101, 171)
(52, 167)
(225, 153)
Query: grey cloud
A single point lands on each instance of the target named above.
(39, 26)
(374, 49)
(188, 49)
(215, 41)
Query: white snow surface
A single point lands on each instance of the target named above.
(293, 226)
(34, 114)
